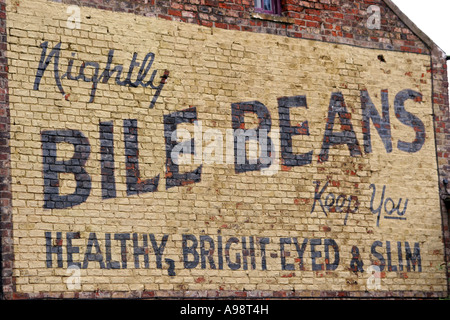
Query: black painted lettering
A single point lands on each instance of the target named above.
(356, 264)
(232, 265)
(410, 120)
(400, 256)
(71, 249)
(53, 167)
(220, 252)
(123, 237)
(249, 252)
(105, 75)
(287, 131)
(53, 249)
(143, 71)
(262, 244)
(318, 197)
(346, 136)
(94, 79)
(413, 258)
(68, 74)
(140, 250)
(173, 177)
(89, 256)
(108, 73)
(190, 250)
(284, 254)
(300, 251)
(391, 267)
(45, 61)
(107, 160)
(382, 124)
(315, 254)
(135, 185)
(158, 88)
(331, 265)
(377, 255)
(158, 249)
(260, 134)
(207, 253)
(110, 264)
(377, 211)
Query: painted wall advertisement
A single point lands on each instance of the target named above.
(156, 155)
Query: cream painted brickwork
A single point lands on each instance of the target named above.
(210, 69)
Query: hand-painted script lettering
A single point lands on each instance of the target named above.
(105, 76)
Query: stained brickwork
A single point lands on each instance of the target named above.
(342, 197)
(339, 21)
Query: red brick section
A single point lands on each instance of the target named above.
(336, 21)
(6, 254)
(442, 128)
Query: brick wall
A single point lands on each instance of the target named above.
(94, 204)
(332, 21)
(441, 114)
(5, 180)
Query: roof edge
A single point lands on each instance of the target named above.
(413, 27)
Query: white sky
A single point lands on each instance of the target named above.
(432, 17)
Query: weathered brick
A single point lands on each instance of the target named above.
(88, 173)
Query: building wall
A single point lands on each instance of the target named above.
(346, 202)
